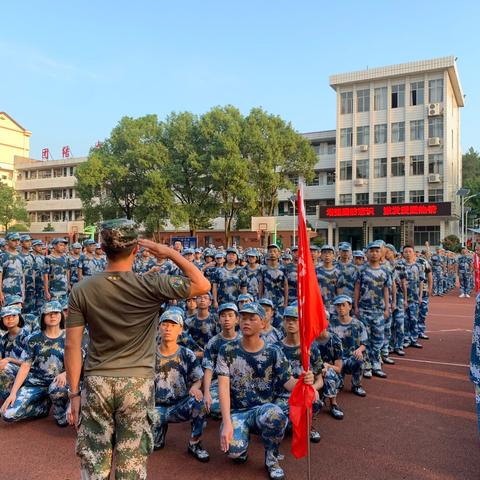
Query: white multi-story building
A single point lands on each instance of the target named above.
(48, 187)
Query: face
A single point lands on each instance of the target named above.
(13, 243)
(192, 303)
(251, 324)
(177, 246)
(189, 257)
(60, 248)
(27, 244)
(169, 331)
(231, 257)
(408, 254)
(11, 321)
(358, 260)
(327, 256)
(273, 253)
(76, 251)
(38, 249)
(220, 261)
(389, 255)
(52, 319)
(145, 254)
(344, 255)
(343, 309)
(291, 325)
(315, 255)
(252, 259)
(374, 254)
(90, 248)
(228, 319)
(203, 301)
(268, 312)
(98, 251)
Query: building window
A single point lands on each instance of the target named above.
(57, 194)
(435, 91)
(363, 135)
(430, 234)
(380, 133)
(32, 216)
(361, 198)
(345, 199)
(362, 168)
(416, 93)
(435, 195)
(330, 178)
(293, 179)
(79, 214)
(398, 96)
(380, 168)
(44, 195)
(331, 149)
(57, 217)
(435, 127)
(398, 166)
(43, 216)
(346, 99)
(417, 196)
(416, 130)
(58, 172)
(311, 207)
(363, 100)
(315, 181)
(417, 165)
(44, 174)
(380, 99)
(33, 174)
(346, 137)
(398, 132)
(72, 171)
(398, 197)
(380, 198)
(346, 170)
(435, 163)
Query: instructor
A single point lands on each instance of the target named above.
(121, 312)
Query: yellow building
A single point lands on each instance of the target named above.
(14, 140)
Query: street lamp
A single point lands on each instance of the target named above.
(293, 199)
(462, 193)
(465, 231)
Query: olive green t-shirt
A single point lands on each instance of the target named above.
(121, 311)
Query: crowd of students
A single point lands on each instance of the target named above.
(234, 353)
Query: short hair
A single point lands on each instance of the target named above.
(408, 246)
(43, 326)
(21, 322)
(116, 254)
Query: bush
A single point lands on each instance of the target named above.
(49, 228)
(452, 243)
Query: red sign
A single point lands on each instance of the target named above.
(408, 210)
(66, 151)
(45, 154)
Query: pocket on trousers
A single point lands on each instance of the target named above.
(146, 442)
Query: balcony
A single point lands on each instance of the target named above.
(325, 162)
(45, 183)
(61, 204)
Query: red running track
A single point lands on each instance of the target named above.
(418, 424)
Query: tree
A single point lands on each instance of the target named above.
(471, 179)
(12, 207)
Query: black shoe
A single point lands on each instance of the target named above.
(424, 337)
(160, 436)
(196, 450)
(399, 352)
(315, 436)
(336, 412)
(275, 471)
(242, 458)
(388, 361)
(379, 373)
(416, 345)
(359, 391)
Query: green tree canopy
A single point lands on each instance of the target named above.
(12, 207)
(471, 179)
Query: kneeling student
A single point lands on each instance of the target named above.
(251, 374)
(178, 378)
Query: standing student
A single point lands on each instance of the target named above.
(56, 273)
(12, 269)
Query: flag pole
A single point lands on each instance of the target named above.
(309, 459)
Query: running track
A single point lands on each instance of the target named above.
(418, 424)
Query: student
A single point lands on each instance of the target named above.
(202, 326)
(73, 260)
(144, 262)
(178, 379)
(87, 264)
(291, 272)
(270, 334)
(56, 272)
(250, 375)
(358, 258)
(328, 277)
(464, 272)
(191, 307)
(243, 299)
(12, 268)
(39, 265)
(29, 263)
(347, 268)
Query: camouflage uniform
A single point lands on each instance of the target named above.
(229, 283)
(142, 266)
(414, 274)
(398, 315)
(292, 278)
(73, 263)
(348, 273)
(437, 270)
(330, 350)
(10, 348)
(89, 265)
(273, 280)
(13, 268)
(202, 330)
(273, 336)
(475, 357)
(465, 268)
(329, 282)
(387, 332)
(57, 270)
(423, 307)
(39, 290)
(29, 271)
(252, 280)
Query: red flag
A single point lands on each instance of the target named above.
(312, 320)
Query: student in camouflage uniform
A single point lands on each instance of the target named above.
(358, 258)
(427, 293)
(87, 263)
(389, 265)
(250, 375)
(273, 281)
(291, 272)
(398, 314)
(143, 263)
(329, 277)
(41, 379)
(465, 273)
(244, 298)
(73, 261)
(347, 269)
(203, 325)
(12, 271)
(118, 393)
(56, 272)
(29, 272)
(39, 266)
(178, 379)
(100, 259)
(252, 269)
(271, 334)
(437, 269)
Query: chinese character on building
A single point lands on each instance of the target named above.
(66, 151)
(45, 153)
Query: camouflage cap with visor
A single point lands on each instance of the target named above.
(119, 233)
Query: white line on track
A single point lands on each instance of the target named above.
(433, 362)
(450, 315)
(450, 330)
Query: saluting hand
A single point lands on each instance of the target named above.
(157, 250)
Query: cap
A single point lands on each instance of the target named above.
(172, 315)
(58, 240)
(342, 299)
(98, 245)
(245, 296)
(287, 256)
(291, 311)
(25, 238)
(344, 247)
(36, 243)
(273, 245)
(266, 301)
(253, 252)
(358, 253)
(88, 241)
(51, 307)
(232, 250)
(13, 300)
(294, 248)
(255, 308)
(12, 236)
(188, 251)
(2, 242)
(220, 255)
(76, 245)
(374, 244)
(391, 247)
(119, 233)
(227, 306)
(10, 310)
(327, 247)
(314, 248)
(198, 250)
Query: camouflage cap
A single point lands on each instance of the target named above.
(51, 307)
(10, 310)
(119, 233)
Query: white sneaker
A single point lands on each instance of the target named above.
(467, 295)
(462, 295)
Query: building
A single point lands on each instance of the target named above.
(14, 140)
(48, 187)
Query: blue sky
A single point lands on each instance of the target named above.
(70, 70)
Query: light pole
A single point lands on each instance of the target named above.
(293, 199)
(465, 230)
(462, 193)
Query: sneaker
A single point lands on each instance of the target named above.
(388, 361)
(462, 295)
(159, 437)
(423, 336)
(242, 458)
(315, 436)
(416, 345)
(275, 471)
(367, 374)
(379, 373)
(197, 451)
(359, 391)
(467, 295)
(406, 344)
(336, 412)
(399, 352)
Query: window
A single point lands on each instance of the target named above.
(346, 137)
(79, 215)
(430, 234)
(380, 168)
(398, 96)
(330, 178)
(292, 178)
(416, 130)
(57, 194)
(32, 216)
(417, 165)
(346, 99)
(57, 217)
(398, 197)
(311, 207)
(363, 100)
(43, 216)
(44, 195)
(380, 198)
(435, 91)
(361, 198)
(380, 133)
(417, 196)
(345, 199)
(380, 99)
(435, 127)
(398, 132)
(58, 172)
(362, 168)
(316, 179)
(331, 149)
(71, 171)
(435, 163)
(33, 174)
(44, 174)
(416, 93)
(398, 166)
(363, 135)
(346, 170)
(435, 195)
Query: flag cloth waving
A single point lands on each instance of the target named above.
(312, 320)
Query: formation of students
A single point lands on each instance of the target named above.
(234, 353)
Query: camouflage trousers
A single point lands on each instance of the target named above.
(117, 415)
(423, 312)
(437, 281)
(215, 406)
(35, 402)
(375, 324)
(332, 381)
(398, 326)
(183, 411)
(354, 367)
(39, 300)
(411, 322)
(387, 335)
(7, 378)
(29, 304)
(267, 420)
(465, 283)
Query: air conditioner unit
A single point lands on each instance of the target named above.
(434, 142)
(434, 178)
(360, 182)
(435, 109)
(363, 148)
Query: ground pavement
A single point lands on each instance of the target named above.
(418, 424)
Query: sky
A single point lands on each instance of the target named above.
(69, 71)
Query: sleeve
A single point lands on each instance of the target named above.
(316, 360)
(28, 354)
(171, 287)
(207, 361)
(222, 369)
(243, 278)
(281, 369)
(75, 316)
(195, 371)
